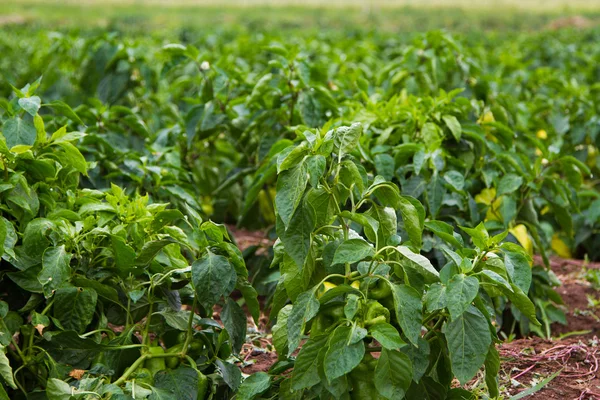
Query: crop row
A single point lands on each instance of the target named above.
(408, 181)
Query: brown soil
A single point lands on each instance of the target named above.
(245, 238)
(526, 362)
(578, 296)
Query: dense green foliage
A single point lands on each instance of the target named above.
(408, 182)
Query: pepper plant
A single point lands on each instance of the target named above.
(104, 294)
(381, 320)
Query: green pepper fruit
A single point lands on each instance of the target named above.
(361, 379)
(196, 347)
(376, 313)
(202, 386)
(320, 324)
(380, 290)
(173, 362)
(158, 363)
(334, 310)
(144, 375)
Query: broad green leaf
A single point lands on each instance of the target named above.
(291, 157)
(55, 268)
(351, 307)
(387, 336)
(346, 138)
(445, 232)
(234, 320)
(352, 251)
(181, 383)
(231, 374)
(369, 224)
(492, 370)
(165, 217)
(64, 109)
(386, 217)
(455, 179)
(6, 371)
(508, 184)
(435, 195)
(306, 367)
(74, 157)
(305, 308)
(250, 297)
(409, 307)
(316, 169)
(18, 131)
(296, 238)
(253, 386)
(454, 126)
(519, 271)
(469, 340)
(413, 222)
(74, 307)
(280, 335)
(124, 255)
(385, 165)
(213, 276)
(30, 104)
(419, 263)
(59, 390)
(479, 235)
(290, 189)
(342, 357)
(3, 394)
(523, 303)
(393, 374)
(461, 291)
(151, 249)
(436, 297)
(419, 357)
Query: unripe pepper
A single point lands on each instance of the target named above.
(376, 313)
(173, 362)
(202, 386)
(155, 364)
(380, 290)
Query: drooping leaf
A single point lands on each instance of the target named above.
(305, 308)
(462, 290)
(74, 307)
(306, 367)
(353, 250)
(387, 336)
(393, 374)
(290, 189)
(342, 357)
(468, 342)
(213, 276)
(409, 307)
(55, 268)
(253, 386)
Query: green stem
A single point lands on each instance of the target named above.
(147, 327)
(435, 327)
(188, 337)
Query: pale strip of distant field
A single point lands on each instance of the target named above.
(532, 5)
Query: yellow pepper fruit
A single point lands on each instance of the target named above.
(522, 236)
(542, 134)
(560, 247)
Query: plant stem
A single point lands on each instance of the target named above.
(188, 337)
